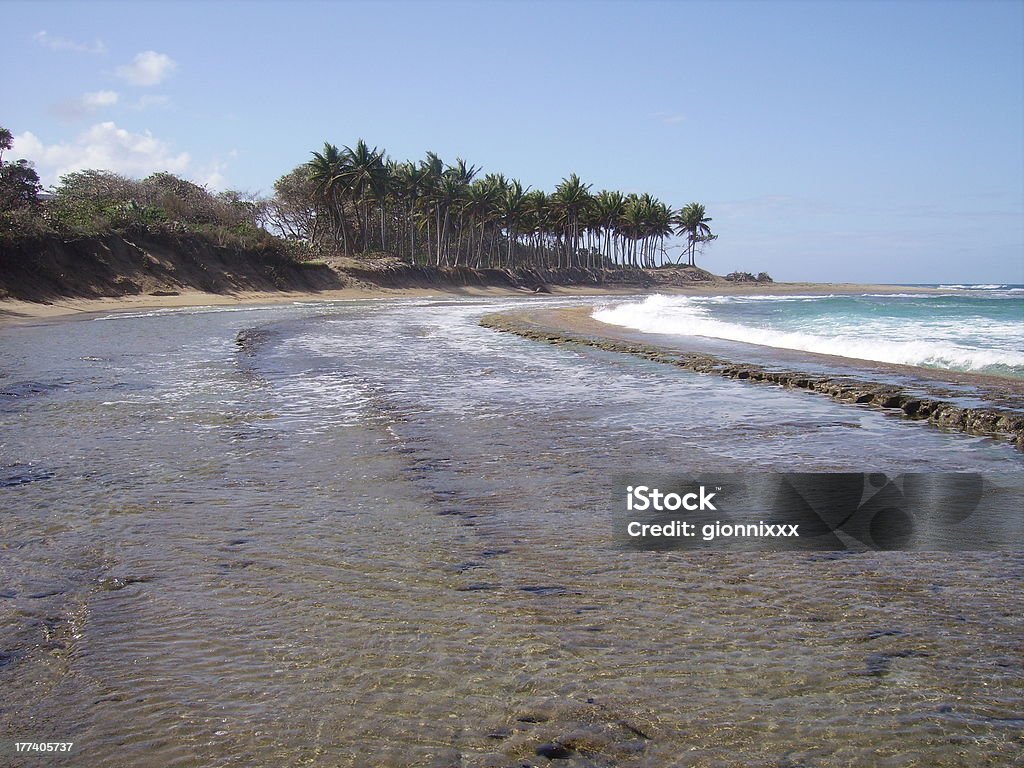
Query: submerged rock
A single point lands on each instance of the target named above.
(554, 751)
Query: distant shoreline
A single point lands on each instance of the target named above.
(16, 312)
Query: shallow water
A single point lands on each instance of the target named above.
(378, 535)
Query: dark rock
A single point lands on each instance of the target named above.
(885, 633)
(911, 407)
(18, 474)
(877, 665)
(545, 590)
(533, 718)
(554, 751)
(116, 583)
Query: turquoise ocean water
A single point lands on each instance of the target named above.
(977, 328)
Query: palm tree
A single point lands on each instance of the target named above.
(363, 174)
(327, 170)
(448, 196)
(481, 210)
(409, 183)
(512, 207)
(436, 213)
(693, 223)
(433, 169)
(608, 206)
(539, 221)
(571, 200)
(631, 227)
(659, 227)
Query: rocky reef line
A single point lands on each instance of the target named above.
(1004, 420)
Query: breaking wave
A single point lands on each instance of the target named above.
(939, 341)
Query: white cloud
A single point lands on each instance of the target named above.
(212, 177)
(104, 146)
(56, 43)
(148, 68)
(97, 99)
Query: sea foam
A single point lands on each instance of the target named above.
(938, 344)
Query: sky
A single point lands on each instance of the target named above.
(829, 141)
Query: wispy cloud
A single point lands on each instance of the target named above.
(148, 68)
(85, 105)
(98, 99)
(669, 118)
(57, 43)
(151, 101)
(757, 206)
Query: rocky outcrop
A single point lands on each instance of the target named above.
(747, 277)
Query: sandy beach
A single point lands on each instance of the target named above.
(14, 312)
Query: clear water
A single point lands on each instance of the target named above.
(380, 537)
(979, 330)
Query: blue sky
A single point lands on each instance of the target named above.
(829, 140)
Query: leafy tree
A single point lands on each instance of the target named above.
(19, 186)
(19, 182)
(293, 212)
(6, 142)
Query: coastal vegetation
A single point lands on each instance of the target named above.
(357, 202)
(98, 203)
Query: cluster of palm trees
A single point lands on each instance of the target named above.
(431, 212)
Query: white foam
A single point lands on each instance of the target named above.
(894, 341)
